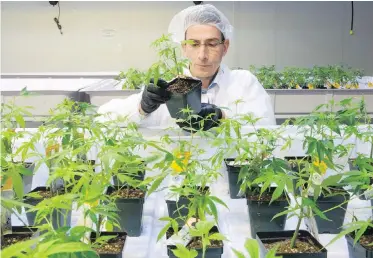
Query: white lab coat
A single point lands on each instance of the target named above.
(230, 86)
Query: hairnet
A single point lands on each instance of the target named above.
(199, 14)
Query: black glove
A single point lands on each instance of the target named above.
(154, 95)
(208, 117)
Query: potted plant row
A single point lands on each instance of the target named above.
(107, 187)
(317, 77)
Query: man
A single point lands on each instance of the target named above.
(238, 91)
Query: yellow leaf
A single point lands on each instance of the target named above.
(8, 185)
(54, 147)
(185, 160)
(92, 204)
(321, 165)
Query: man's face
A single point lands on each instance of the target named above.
(207, 52)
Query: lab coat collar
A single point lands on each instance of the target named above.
(218, 78)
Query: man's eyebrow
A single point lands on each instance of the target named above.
(197, 40)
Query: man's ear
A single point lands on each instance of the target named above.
(226, 46)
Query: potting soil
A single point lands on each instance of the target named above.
(367, 242)
(182, 86)
(114, 245)
(196, 243)
(129, 193)
(265, 197)
(302, 245)
(13, 239)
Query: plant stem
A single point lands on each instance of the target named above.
(175, 60)
(99, 220)
(203, 236)
(295, 235)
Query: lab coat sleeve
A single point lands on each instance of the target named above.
(126, 110)
(254, 98)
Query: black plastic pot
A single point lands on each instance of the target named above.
(130, 214)
(119, 234)
(211, 252)
(295, 167)
(320, 87)
(273, 236)
(357, 250)
(336, 216)
(191, 99)
(261, 214)
(60, 217)
(233, 174)
(178, 210)
(24, 229)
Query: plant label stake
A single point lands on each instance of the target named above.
(241, 193)
(86, 222)
(368, 194)
(311, 225)
(6, 223)
(182, 237)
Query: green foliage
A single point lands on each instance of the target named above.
(253, 150)
(183, 252)
(356, 229)
(203, 230)
(73, 128)
(267, 76)
(170, 64)
(295, 78)
(340, 76)
(252, 248)
(134, 78)
(13, 166)
(326, 126)
(317, 77)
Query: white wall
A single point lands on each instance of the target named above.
(281, 33)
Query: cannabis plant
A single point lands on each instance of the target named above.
(170, 64)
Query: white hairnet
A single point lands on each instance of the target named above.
(199, 14)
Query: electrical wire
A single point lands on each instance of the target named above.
(57, 20)
(352, 18)
(59, 10)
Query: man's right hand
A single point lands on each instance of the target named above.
(154, 95)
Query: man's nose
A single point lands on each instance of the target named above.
(202, 52)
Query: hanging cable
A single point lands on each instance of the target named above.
(352, 18)
(57, 20)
